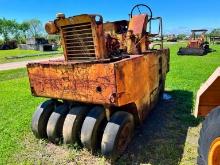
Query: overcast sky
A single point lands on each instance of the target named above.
(179, 16)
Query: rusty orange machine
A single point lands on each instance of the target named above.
(107, 83)
(197, 44)
(208, 105)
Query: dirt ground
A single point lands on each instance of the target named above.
(22, 64)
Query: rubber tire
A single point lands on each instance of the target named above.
(112, 131)
(55, 123)
(41, 117)
(191, 51)
(92, 128)
(162, 89)
(209, 132)
(73, 124)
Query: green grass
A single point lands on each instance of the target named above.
(16, 107)
(169, 136)
(18, 52)
(187, 72)
(13, 74)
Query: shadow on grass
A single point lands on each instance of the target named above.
(161, 138)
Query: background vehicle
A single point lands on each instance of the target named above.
(172, 38)
(208, 105)
(107, 83)
(197, 44)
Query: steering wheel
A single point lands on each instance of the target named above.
(138, 8)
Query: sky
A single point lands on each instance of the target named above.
(178, 16)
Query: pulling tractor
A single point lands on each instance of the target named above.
(208, 105)
(197, 44)
(107, 83)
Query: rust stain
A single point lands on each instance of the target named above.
(89, 83)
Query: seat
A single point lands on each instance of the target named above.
(138, 24)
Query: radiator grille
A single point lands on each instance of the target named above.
(79, 41)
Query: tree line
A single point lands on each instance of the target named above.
(214, 32)
(13, 30)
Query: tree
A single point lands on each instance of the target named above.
(35, 28)
(53, 38)
(181, 36)
(215, 32)
(7, 28)
(10, 29)
(17, 34)
(24, 27)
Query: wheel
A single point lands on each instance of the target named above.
(55, 123)
(93, 127)
(209, 141)
(162, 89)
(150, 15)
(73, 124)
(41, 117)
(117, 134)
